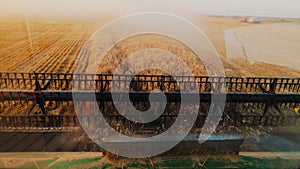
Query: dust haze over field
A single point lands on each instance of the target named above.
(94, 8)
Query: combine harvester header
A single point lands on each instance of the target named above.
(250, 101)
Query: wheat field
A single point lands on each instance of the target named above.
(54, 46)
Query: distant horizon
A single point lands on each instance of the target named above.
(109, 16)
(95, 8)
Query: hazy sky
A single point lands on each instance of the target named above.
(87, 8)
